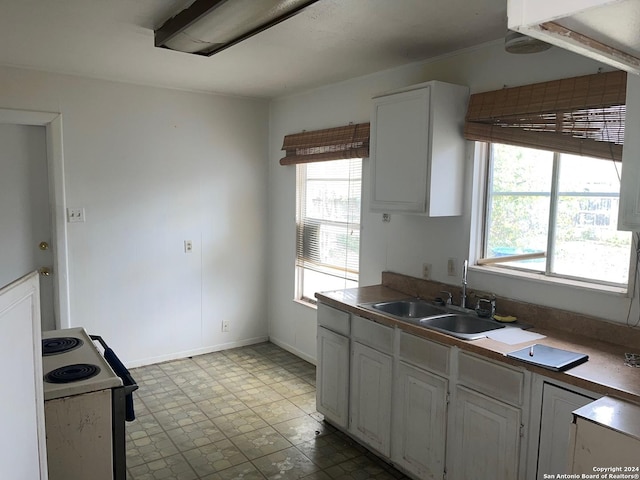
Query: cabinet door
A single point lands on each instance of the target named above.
(555, 428)
(486, 438)
(400, 152)
(419, 422)
(370, 403)
(332, 377)
(595, 445)
(629, 214)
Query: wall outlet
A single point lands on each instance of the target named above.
(426, 271)
(225, 325)
(452, 268)
(188, 246)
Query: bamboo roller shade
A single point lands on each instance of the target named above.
(349, 141)
(580, 115)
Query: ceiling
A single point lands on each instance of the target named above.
(330, 41)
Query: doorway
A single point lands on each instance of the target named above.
(32, 210)
(25, 226)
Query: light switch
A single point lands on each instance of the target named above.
(75, 215)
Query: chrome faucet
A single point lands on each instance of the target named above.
(449, 299)
(463, 296)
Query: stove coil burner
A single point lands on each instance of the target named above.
(72, 373)
(54, 346)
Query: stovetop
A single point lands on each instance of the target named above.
(84, 356)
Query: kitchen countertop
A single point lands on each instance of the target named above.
(605, 372)
(614, 414)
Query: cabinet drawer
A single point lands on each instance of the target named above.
(333, 319)
(372, 334)
(495, 380)
(424, 353)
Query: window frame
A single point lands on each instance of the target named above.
(484, 156)
(301, 180)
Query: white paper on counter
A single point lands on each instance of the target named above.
(513, 335)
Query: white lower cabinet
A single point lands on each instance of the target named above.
(370, 402)
(332, 377)
(555, 428)
(419, 422)
(437, 411)
(486, 438)
(605, 440)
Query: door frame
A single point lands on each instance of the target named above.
(52, 122)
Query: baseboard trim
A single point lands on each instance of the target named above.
(198, 351)
(293, 350)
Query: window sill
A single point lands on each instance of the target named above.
(305, 303)
(547, 280)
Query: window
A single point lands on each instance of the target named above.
(328, 226)
(561, 208)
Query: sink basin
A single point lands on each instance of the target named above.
(408, 308)
(466, 327)
(425, 314)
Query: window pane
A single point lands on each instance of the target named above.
(313, 282)
(518, 204)
(587, 243)
(328, 219)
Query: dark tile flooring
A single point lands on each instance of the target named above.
(246, 413)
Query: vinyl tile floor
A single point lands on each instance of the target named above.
(246, 413)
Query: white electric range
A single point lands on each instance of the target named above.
(73, 350)
(86, 401)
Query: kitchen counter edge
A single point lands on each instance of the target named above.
(605, 373)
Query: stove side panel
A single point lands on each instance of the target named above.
(79, 443)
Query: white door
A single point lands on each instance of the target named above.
(555, 427)
(22, 434)
(25, 216)
(486, 441)
(420, 422)
(370, 402)
(332, 392)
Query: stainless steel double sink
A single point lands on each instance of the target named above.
(467, 326)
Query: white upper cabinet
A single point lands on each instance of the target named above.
(605, 30)
(629, 213)
(417, 150)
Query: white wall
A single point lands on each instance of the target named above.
(407, 241)
(152, 168)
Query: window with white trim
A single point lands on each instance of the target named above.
(555, 214)
(328, 226)
(553, 182)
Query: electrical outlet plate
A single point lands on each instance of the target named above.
(426, 271)
(188, 246)
(452, 268)
(225, 325)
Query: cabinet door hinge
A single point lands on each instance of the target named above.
(444, 475)
(522, 429)
(448, 399)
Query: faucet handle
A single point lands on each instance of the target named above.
(449, 299)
